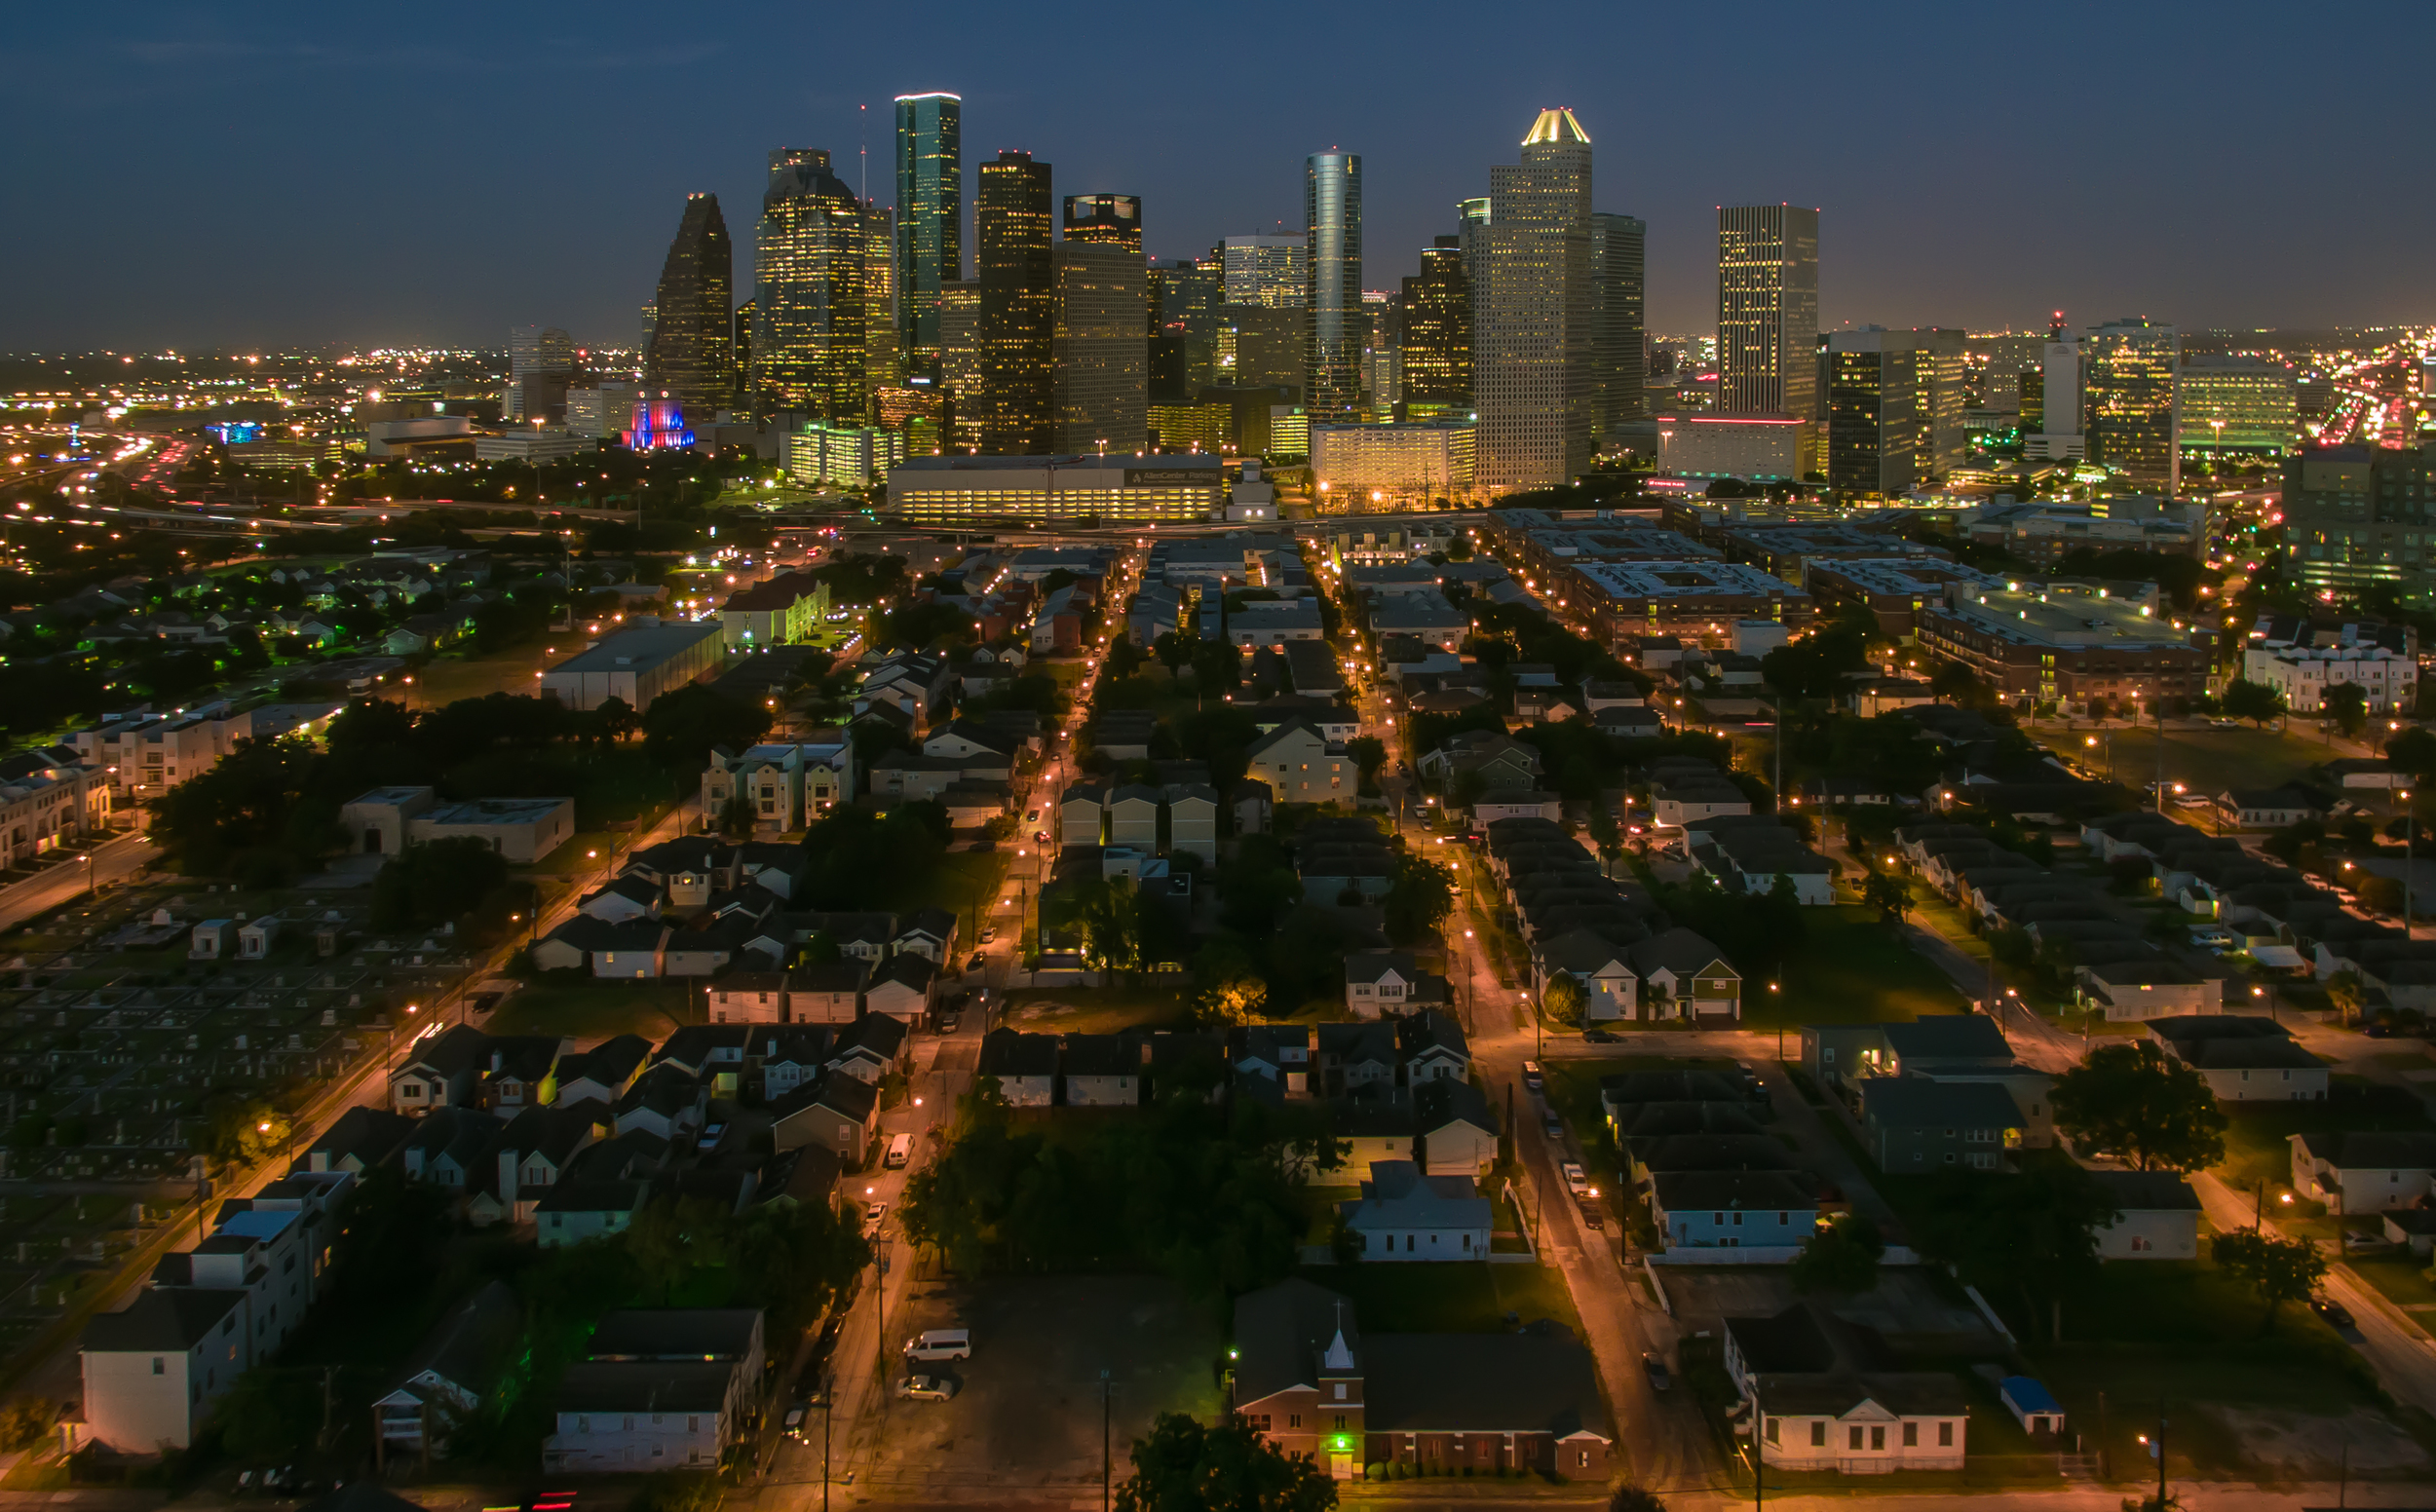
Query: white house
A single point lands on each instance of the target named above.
(1403, 1214)
(1025, 1066)
(154, 1371)
(2159, 1216)
(1818, 1409)
(1101, 1071)
(1380, 981)
(2363, 1172)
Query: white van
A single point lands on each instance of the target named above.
(899, 1152)
(940, 1343)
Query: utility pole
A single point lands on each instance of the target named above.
(1107, 1413)
(829, 1400)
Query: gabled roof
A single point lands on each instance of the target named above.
(2147, 1191)
(1915, 1102)
(1101, 1055)
(1727, 1190)
(1009, 1052)
(1281, 1333)
(905, 969)
(1949, 1036)
(1681, 952)
(878, 1036)
(1444, 1100)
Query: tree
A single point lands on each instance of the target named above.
(1841, 1257)
(1182, 1466)
(1174, 650)
(615, 718)
(240, 815)
(2279, 1270)
(1123, 656)
(1633, 1496)
(2348, 705)
(1566, 1002)
(1370, 757)
(2414, 750)
(435, 884)
(1888, 893)
(736, 817)
(2032, 1233)
(2255, 703)
(1953, 681)
(24, 1420)
(682, 726)
(1227, 985)
(2133, 1102)
(1418, 899)
(2347, 992)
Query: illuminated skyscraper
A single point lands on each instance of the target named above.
(883, 350)
(690, 352)
(810, 351)
(1616, 369)
(1767, 310)
(1332, 212)
(930, 217)
(959, 362)
(1270, 270)
(1438, 327)
(1102, 348)
(1105, 220)
(541, 363)
(1011, 229)
(1534, 310)
(1894, 409)
(2129, 396)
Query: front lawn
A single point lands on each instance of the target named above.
(1850, 970)
(592, 1012)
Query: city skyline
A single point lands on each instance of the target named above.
(1910, 215)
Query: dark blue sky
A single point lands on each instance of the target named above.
(257, 174)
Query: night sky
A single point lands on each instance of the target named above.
(275, 175)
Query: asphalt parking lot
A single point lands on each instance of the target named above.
(1028, 1412)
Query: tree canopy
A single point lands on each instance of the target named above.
(1841, 1257)
(2279, 1270)
(1183, 1467)
(2135, 1103)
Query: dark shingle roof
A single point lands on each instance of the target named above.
(170, 1321)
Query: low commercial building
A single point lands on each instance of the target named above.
(1682, 598)
(2045, 533)
(1713, 443)
(637, 665)
(843, 456)
(2065, 643)
(2305, 674)
(389, 820)
(785, 609)
(954, 490)
(1360, 466)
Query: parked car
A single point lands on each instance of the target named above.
(1598, 1036)
(873, 1216)
(1555, 1125)
(927, 1388)
(989, 933)
(2331, 1310)
(1576, 1181)
(1032, 816)
(950, 1021)
(977, 961)
(940, 1343)
(795, 1415)
(1592, 1219)
(1655, 1369)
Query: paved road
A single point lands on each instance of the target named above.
(113, 860)
(2404, 1360)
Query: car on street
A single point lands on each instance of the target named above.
(873, 1216)
(1591, 1219)
(795, 1415)
(989, 935)
(2333, 1311)
(1039, 837)
(1597, 1036)
(950, 1021)
(977, 961)
(1576, 1181)
(1654, 1368)
(1553, 1125)
(927, 1388)
(1032, 816)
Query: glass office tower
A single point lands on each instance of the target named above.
(930, 218)
(1015, 258)
(691, 356)
(809, 348)
(1332, 208)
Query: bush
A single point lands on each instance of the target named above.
(24, 1420)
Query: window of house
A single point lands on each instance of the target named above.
(1911, 1435)
(1294, 1420)
(1818, 1435)
(1852, 1436)
(1945, 1435)
(160, 1365)
(1877, 1438)
(1339, 1390)
(1340, 1422)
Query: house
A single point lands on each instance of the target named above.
(1310, 1381)
(664, 1102)
(155, 1370)
(1406, 1215)
(1839, 1055)
(1375, 1124)
(628, 898)
(1432, 1047)
(747, 998)
(1301, 766)
(2265, 808)
(828, 993)
(792, 1059)
(1598, 967)
(1082, 815)
(903, 988)
(449, 1147)
(2245, 1059)
(447, 1375)
(2362, 1173)
(928, 933)
(870, 1047)
(603, 1073)
(2146, 986)
(1278, 1052)
(1683, 976)
(1824, 1403)
(1733, 1209)
(1515, 803)
(840, 1112)
(1351, 1057)
(522, 1072)
(1387, 981)
(638, 1417)
(1101, 1071)
(1456, 1127)
(1253, 802)
(533, 1152)
(2157, 1216)
(442, 1070)
(1911, 1124)
(574, 1211)
(1024, 1065)
(1192, 820)
(360, 1138)
(1504, 763)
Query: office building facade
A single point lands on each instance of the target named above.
(809, 340)
(1619, 282)
(691, 354)
(930, 218)
(2238, 405)
(1273, 271)
(1016, 260)
(1379, 467)
(1893, 402)
(1767, 310)
(960, 363)
(2362, 516)
(1437, 338)
(1332, 210)
(541, 366)
(1533, 313)
(2129, 371)
(884, 355)
(1105, 220)
(1100, 349)
(955, 490)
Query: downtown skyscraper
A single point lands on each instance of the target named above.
(1767, 312)
(1618, 281)
(1437, 338)
(691, 354)
(1534, 309)
(1893, 409)
(1332, 212)
(930, 218)
(810, 292)
(2129, 394)
(1101, 344)
(1016, 259)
